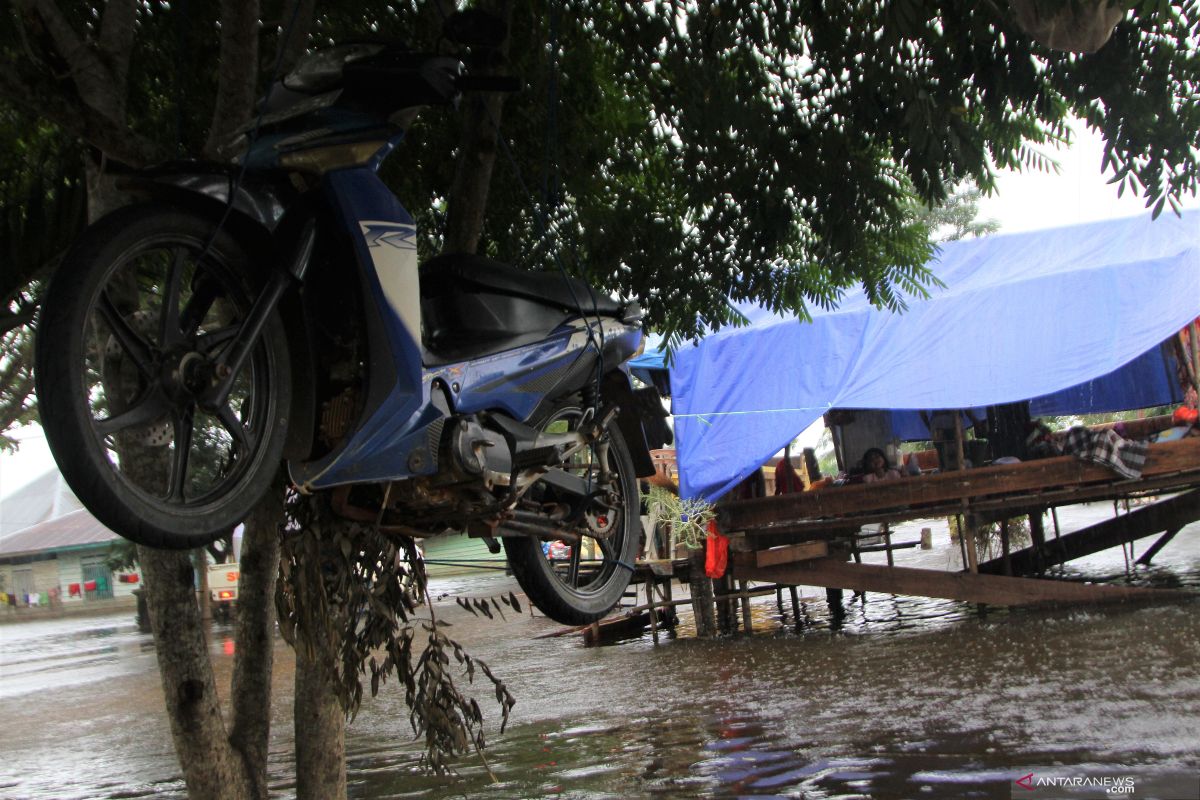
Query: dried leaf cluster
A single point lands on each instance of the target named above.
(347, 588)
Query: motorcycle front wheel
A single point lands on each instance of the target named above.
(579, 582)
(131, 329)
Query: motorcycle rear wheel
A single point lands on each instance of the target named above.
(580, 587)
(131, 323)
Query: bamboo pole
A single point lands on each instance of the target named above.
(745, 598)
(1195, 337)
(968, 518)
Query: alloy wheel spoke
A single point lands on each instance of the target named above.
(169, 319)
(235, 426)
(182, 423)
(151, 407)
(204, 294)
(210, 341)
(137, 348)
(573, 565)
(606, 547)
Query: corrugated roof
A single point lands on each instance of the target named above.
(42, 499)
(70, 530)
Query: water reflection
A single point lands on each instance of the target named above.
(897, 698)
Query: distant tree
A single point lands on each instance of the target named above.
(957, 217)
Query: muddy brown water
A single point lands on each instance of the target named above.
(905, 698)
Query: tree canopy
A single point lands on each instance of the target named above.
(684, 154)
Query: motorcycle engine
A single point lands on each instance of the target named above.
(479, 453)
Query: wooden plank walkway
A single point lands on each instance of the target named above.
(991, 589)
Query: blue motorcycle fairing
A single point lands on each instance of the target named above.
(399, 429)
(384, 240)
(516, 382)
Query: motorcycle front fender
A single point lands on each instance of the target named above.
(617, 389)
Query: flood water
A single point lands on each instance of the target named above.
(905, 698)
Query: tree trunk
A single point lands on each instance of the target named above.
(477, 157)
(320, 724)
(254, 637)
(211, 768)
(319, 717)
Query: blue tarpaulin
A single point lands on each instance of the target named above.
(1025, 315)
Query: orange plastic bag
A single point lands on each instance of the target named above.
(716, 555)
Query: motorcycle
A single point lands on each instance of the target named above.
(274, 309)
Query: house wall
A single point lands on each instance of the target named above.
(58, 571)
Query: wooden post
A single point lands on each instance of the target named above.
(795, 605)
(702, 596)
(887, 540)
(968, 517)
(650, 581)
(1037, 528)
(1195, 337)
(747, 623)
(958, 439)
(1007, 553)
(668, 602)
(726, 607)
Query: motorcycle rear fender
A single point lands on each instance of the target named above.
(617, 389)
(257, 221)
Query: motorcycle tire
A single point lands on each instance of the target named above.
(132, 319)
(565, 589)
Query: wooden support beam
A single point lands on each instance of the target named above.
(1162, 459)
(1146, 521)
(782, 555)
(1158, 545)
(972, 588)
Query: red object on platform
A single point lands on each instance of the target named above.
(89, 586)
(1185, 416)
(787, 480)
(716, 555)
(73, 590)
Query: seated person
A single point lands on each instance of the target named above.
(875, 467)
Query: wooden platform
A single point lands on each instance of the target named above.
(801, 539)
(1031, 484)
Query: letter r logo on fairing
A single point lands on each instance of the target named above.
(393, 249)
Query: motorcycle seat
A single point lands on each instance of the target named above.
(457, 272)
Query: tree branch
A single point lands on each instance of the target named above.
(117, 32)
(79, 119)
(238, 76)
(16, 319)
(96, 85)
(288, 51)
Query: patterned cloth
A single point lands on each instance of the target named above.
(1126, 457)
